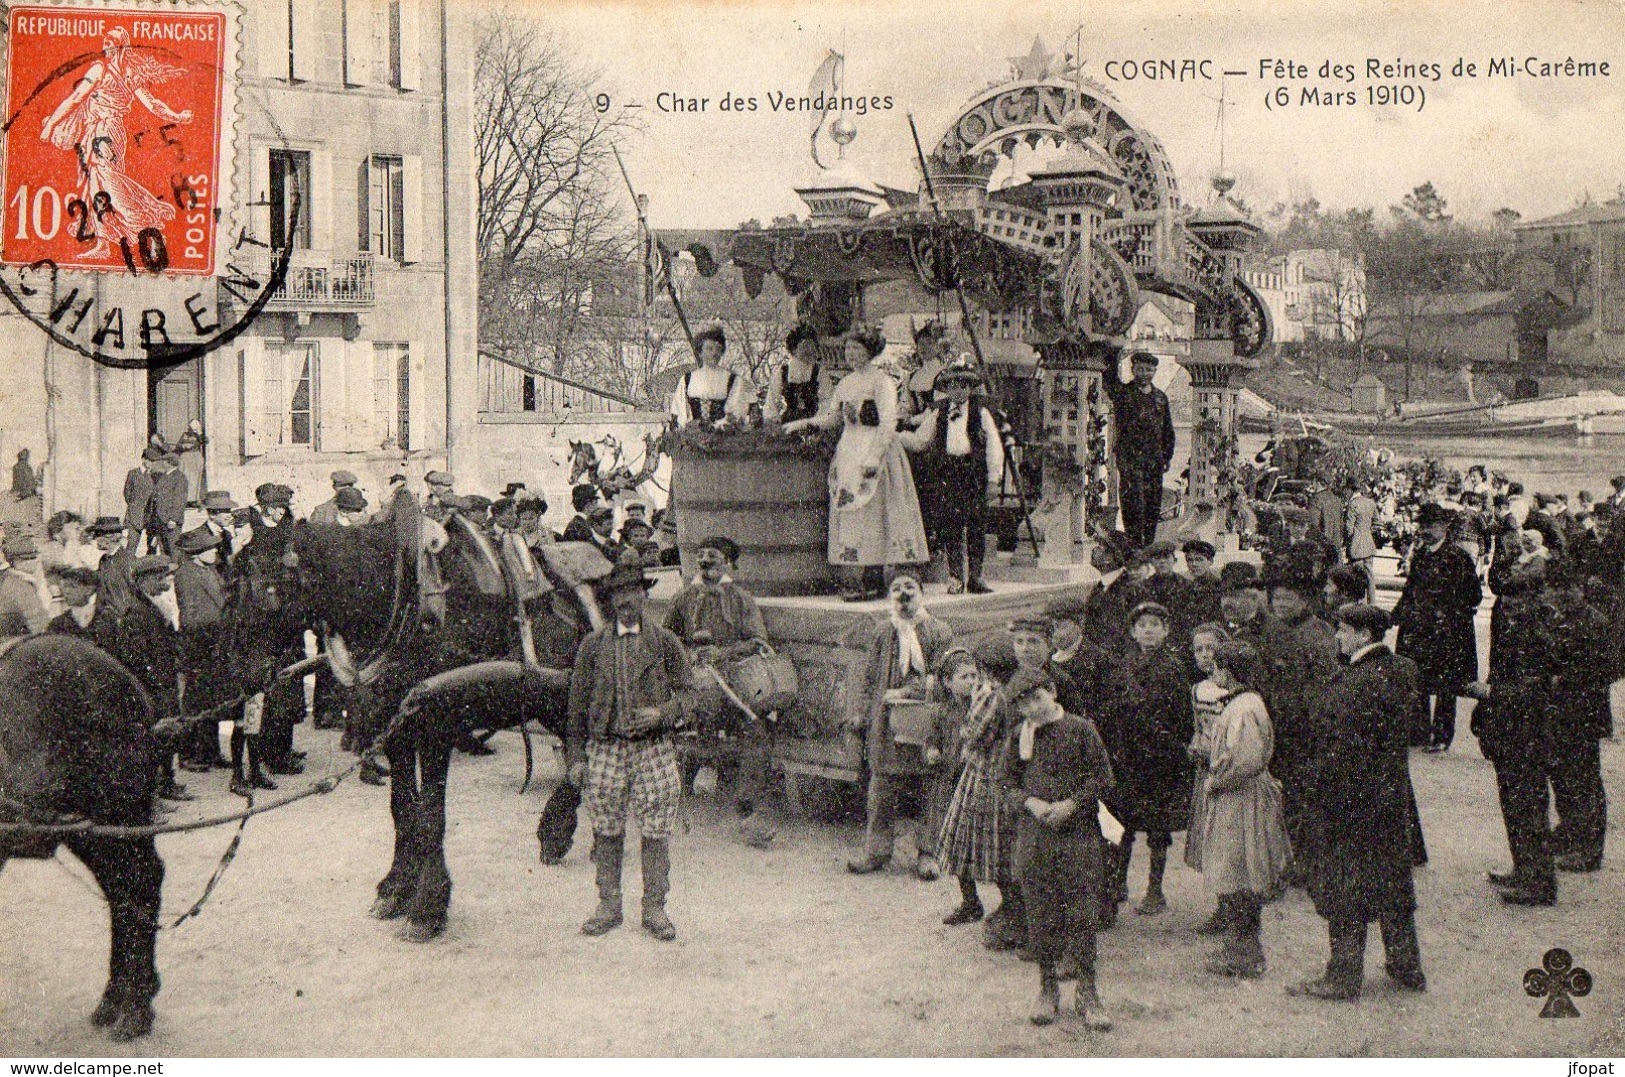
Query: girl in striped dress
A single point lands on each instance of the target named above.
(978, 836)
(1207, 700)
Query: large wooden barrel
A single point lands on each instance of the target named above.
(771, 496)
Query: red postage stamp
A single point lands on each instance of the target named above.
(112, 142)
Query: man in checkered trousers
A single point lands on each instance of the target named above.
(629, 693)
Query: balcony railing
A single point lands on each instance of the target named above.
(321, 282)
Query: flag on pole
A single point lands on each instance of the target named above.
(826, 82)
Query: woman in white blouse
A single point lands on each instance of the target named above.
(710, 393)
(874, 515)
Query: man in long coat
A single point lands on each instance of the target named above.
(1299, 653)
(1580, 719)
(903, 652)
(1513, 722)
(1143, 439)
(1435, 618)
(1362, 868)
(201, 595)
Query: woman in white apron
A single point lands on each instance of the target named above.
(874, 515)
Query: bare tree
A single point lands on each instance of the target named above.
(552, 218)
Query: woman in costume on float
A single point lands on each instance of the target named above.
(710, 393)
(797, 389)
(874, 515)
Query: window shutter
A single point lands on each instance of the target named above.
(259, 195)
(306, 34)
(320, 200)
(363, 241)
(251, 377)
(412, 209)
(272, 29)
(411, 45)
(358, 59)
(414, 397)
(365, 435)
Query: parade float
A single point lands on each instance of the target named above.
(1042, 216)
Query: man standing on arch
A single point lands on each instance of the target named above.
(1144, 446)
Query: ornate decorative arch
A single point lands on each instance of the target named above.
(995, 121)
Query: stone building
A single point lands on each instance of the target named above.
(348, 140)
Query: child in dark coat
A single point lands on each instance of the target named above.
(1153, 729)
(1056, 771)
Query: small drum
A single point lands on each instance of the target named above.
(912, 720)
(765, 681)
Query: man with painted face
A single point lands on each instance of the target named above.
(630, 693)
(719, 622)
(903, 652)
(1143, 436)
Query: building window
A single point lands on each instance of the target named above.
(384, 223)
(392, 394)
(292, 374)
(527, 392)
(290, 199)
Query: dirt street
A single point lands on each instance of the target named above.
(779, 953)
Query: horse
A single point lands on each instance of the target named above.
(431, 649)
(76, 743)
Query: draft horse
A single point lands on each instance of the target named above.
(430, 641)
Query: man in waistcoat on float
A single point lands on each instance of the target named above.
(960, 439)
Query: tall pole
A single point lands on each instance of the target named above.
(638, 205)
(970, 331)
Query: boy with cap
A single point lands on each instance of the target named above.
(629, 696)
(959, 445)
(1206, 583)
(1153, 724)
(582, 498)
(1243, 604)
(1057, 771)
(1166, 586)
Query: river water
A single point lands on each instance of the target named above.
(1559, 465)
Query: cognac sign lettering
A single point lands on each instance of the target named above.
(113, 147)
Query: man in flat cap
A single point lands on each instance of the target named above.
(720, 623)
(1435, 619)
(24, 599)
(438, 486)
(1301, 551)
(200, 594)
(81, 613)
(115, 588)
(146, 639)
(1299, 656)
(1362, 870)
(138, 486)
(166, 509)
(958, 440)
(1244, 603)
(328, 511)
(1143, 429)
(1166, 586)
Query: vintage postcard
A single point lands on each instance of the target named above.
(781, 529)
